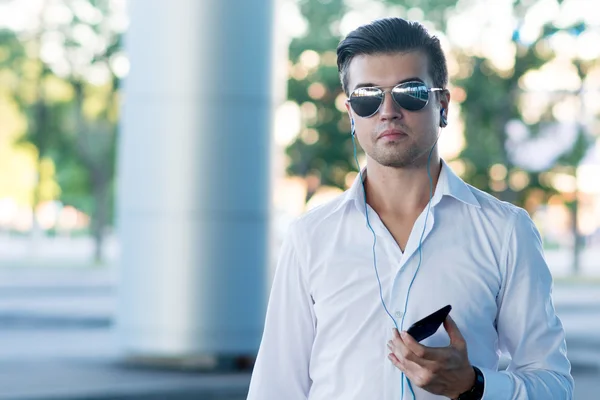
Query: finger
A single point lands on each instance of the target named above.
(400, 348)
(396, 339)
(396, 350)
(456, 338)
(409, 368)
(392, 357)
(422, 352)
(402, 351)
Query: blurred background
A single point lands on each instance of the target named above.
(85, 162)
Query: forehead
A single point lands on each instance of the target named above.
(387, 69)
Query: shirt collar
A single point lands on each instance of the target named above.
(455, 187)
(449, 184)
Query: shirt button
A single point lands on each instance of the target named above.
(398, 314)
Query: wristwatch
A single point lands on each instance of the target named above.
(476, 392)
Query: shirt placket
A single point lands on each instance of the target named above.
(408, 266)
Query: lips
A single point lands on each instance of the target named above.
(392, 134)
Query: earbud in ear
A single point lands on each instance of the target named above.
(443, 119)
(352, 126)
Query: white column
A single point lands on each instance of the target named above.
(193, 180)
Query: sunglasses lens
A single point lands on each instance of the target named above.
(366, 101)
(411, 96)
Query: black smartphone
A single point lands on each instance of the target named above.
(426, 327)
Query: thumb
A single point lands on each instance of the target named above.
(456, 338)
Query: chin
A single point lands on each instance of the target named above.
(399, 164)
(396, 159)
(395, 162)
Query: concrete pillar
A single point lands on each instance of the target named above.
(194, 178)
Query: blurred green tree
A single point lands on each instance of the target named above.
(68, 87)
(323, 150)
(493, 99)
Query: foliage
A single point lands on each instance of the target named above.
(492, 99)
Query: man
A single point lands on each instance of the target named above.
(408, 238)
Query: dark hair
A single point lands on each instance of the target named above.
(391, 35)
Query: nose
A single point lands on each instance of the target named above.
(389, 109)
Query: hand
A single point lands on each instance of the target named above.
(444, 371)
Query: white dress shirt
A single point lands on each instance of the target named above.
(326, 330)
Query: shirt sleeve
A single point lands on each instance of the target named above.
(528, 328)
(281, 370)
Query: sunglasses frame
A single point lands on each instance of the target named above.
(384, 90)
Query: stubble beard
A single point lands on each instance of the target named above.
(395, 155)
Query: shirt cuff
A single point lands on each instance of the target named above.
(497, 385)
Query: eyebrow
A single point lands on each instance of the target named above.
(369, 84)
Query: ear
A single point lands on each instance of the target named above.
(351, 116)
(443, 120)
(444, 98)
(348, 109)
(444, 104)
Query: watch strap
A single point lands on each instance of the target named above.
(476, 392)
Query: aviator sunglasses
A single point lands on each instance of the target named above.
(412, 96)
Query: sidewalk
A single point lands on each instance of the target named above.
(57, 342)
(103, 380)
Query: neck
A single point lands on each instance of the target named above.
(400, 192)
